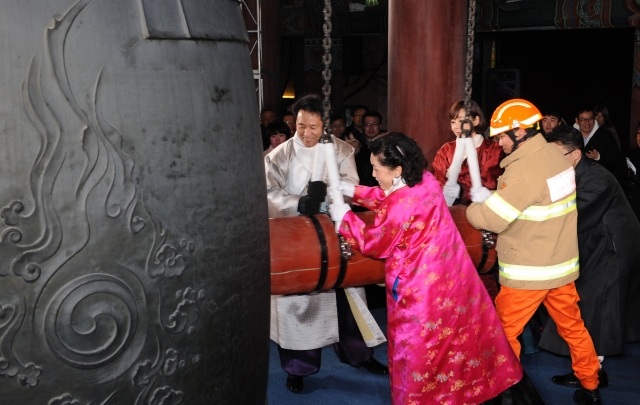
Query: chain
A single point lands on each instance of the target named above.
(326, 73)
(466, 124)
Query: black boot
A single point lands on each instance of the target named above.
(374, 366)
(587, 397)
(522, 393)
(295, 383)
(570, 380)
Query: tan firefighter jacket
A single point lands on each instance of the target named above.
(533, 211)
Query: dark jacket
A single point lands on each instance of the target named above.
(363, 163)
(610, 156)
(609, 282)
(352, 130)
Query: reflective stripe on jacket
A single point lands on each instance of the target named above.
(534, 212)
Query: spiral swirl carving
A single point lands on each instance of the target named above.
(93, 319)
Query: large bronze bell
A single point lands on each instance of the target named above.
(135, 245)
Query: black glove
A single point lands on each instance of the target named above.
(317, 190)
(308, 205)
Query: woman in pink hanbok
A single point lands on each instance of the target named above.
(446, 343)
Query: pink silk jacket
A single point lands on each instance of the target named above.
(446, 343)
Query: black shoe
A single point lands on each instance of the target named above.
(587, 397)
(570, 380)
(603, 379)
(295, 383)
(374, 366)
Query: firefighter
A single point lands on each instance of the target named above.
(533, 211)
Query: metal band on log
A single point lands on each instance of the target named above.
(297, 255)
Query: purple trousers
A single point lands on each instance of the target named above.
(350, 349)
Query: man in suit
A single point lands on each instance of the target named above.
(371, 122)
(609, 259)
(599, 144)
(356, 128)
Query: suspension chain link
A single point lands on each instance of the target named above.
(326, 73)
(466, 124)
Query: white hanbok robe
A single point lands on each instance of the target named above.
(304, 322)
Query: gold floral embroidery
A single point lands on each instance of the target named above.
(429, 387)
(456, 386)
(432, 278)
(445, 332)
(461, 339)
(447, 286)
(431, 354)
(499, 360)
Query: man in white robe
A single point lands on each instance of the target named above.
(302, 324)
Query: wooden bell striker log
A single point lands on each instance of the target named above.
(306, 255)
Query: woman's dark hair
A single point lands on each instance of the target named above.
(474, 111)
(397, 149)
(278, 127)
(604, 111)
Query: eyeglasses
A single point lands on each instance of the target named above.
(371, 124)
(569, 152)
(358, 115)
(289, 122)
(583, 120)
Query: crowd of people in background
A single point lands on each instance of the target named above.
(602, 143)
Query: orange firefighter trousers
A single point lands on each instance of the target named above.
(515, 307)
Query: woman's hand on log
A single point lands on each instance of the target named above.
(337, 211)
(480, 194)
(451, 193)
(347, 189)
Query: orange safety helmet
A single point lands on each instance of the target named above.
(514, 113)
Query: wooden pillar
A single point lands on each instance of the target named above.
(427, 45)
(635, 91)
